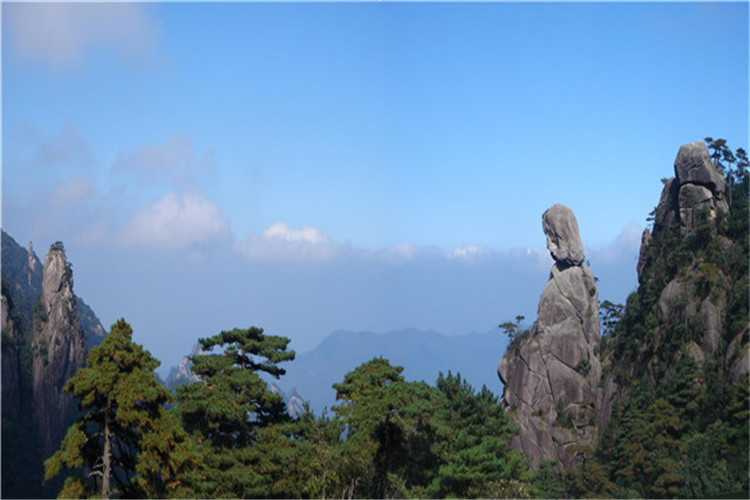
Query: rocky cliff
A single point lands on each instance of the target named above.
(551, 373)
(58, 346)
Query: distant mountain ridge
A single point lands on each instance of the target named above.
(423, 354)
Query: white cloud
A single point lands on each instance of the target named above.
(73, 191)
(466, 252)
(174, 160)
(281, 243)
(178, 220)
(60, 33)
(308, 234)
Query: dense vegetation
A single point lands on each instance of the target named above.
(228, 435)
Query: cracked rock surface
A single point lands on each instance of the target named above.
(551, 374)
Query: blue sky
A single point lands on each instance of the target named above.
(309, 167)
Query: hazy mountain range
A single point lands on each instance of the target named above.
(423, 354)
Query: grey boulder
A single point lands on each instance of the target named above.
(563, 241)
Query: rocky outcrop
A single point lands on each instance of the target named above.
(693, 165)
(34, 267)
(293, 401)
(58, 348)
(737, 360)
(694, 198)
(551, 374)
(701, 187)
(182, 373)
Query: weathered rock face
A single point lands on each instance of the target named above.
(693, 165)
(551, 375)
(58, 348)
(695, 195)
(701, 186)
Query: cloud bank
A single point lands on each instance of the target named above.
(281, 243)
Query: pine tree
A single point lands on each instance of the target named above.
(473, 443)
(225, 411)
(389, 423)
(125, 442)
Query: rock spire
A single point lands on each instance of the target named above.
(551, 374)
(58, 347)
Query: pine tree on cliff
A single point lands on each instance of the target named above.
(227, 407)
(125, 442)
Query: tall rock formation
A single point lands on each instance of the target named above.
(694, 199)
(58, 347)
(34, 267)
(551, 374)
(675, 393)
